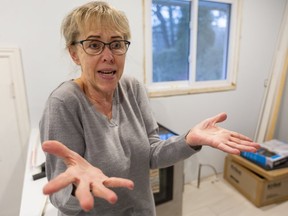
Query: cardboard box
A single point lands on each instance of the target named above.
(258, 185)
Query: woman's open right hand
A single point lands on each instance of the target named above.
(88, 179)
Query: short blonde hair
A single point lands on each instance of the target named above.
(94, 14)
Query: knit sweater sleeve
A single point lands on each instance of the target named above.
(163, 153)
(59, 123)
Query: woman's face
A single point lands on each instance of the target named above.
(102, 72)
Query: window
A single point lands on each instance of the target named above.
(191, 45)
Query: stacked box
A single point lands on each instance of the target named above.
(272, 154)
(258, 185)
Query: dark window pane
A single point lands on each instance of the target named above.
(212, 40)
(171, 32)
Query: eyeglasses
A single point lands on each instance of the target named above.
(96, 47)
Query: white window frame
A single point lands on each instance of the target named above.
(159, 89)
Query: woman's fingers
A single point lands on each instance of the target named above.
(241, 146)
(58, 183)
(243, 142)
(84, 196)
(56, 148)
(119, 182)
(225, 148)
(240, 136)
(236, 143)
(220, 117)
(103, 192)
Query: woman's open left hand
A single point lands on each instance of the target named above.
(208, 133)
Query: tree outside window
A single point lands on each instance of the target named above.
(191, 41)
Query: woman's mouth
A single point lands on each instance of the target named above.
(107, 73)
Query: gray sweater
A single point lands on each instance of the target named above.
(126, 146)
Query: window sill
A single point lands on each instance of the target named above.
(166, 91)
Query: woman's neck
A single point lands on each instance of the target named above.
(102, 102)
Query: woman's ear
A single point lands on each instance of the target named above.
(74, 55)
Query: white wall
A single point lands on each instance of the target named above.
(33, 26)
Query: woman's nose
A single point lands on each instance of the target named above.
(107, 54)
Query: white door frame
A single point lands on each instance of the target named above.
(18, 91)
(274, 90)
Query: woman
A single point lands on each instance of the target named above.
(99, 132)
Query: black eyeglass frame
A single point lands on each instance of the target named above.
(127, 44)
